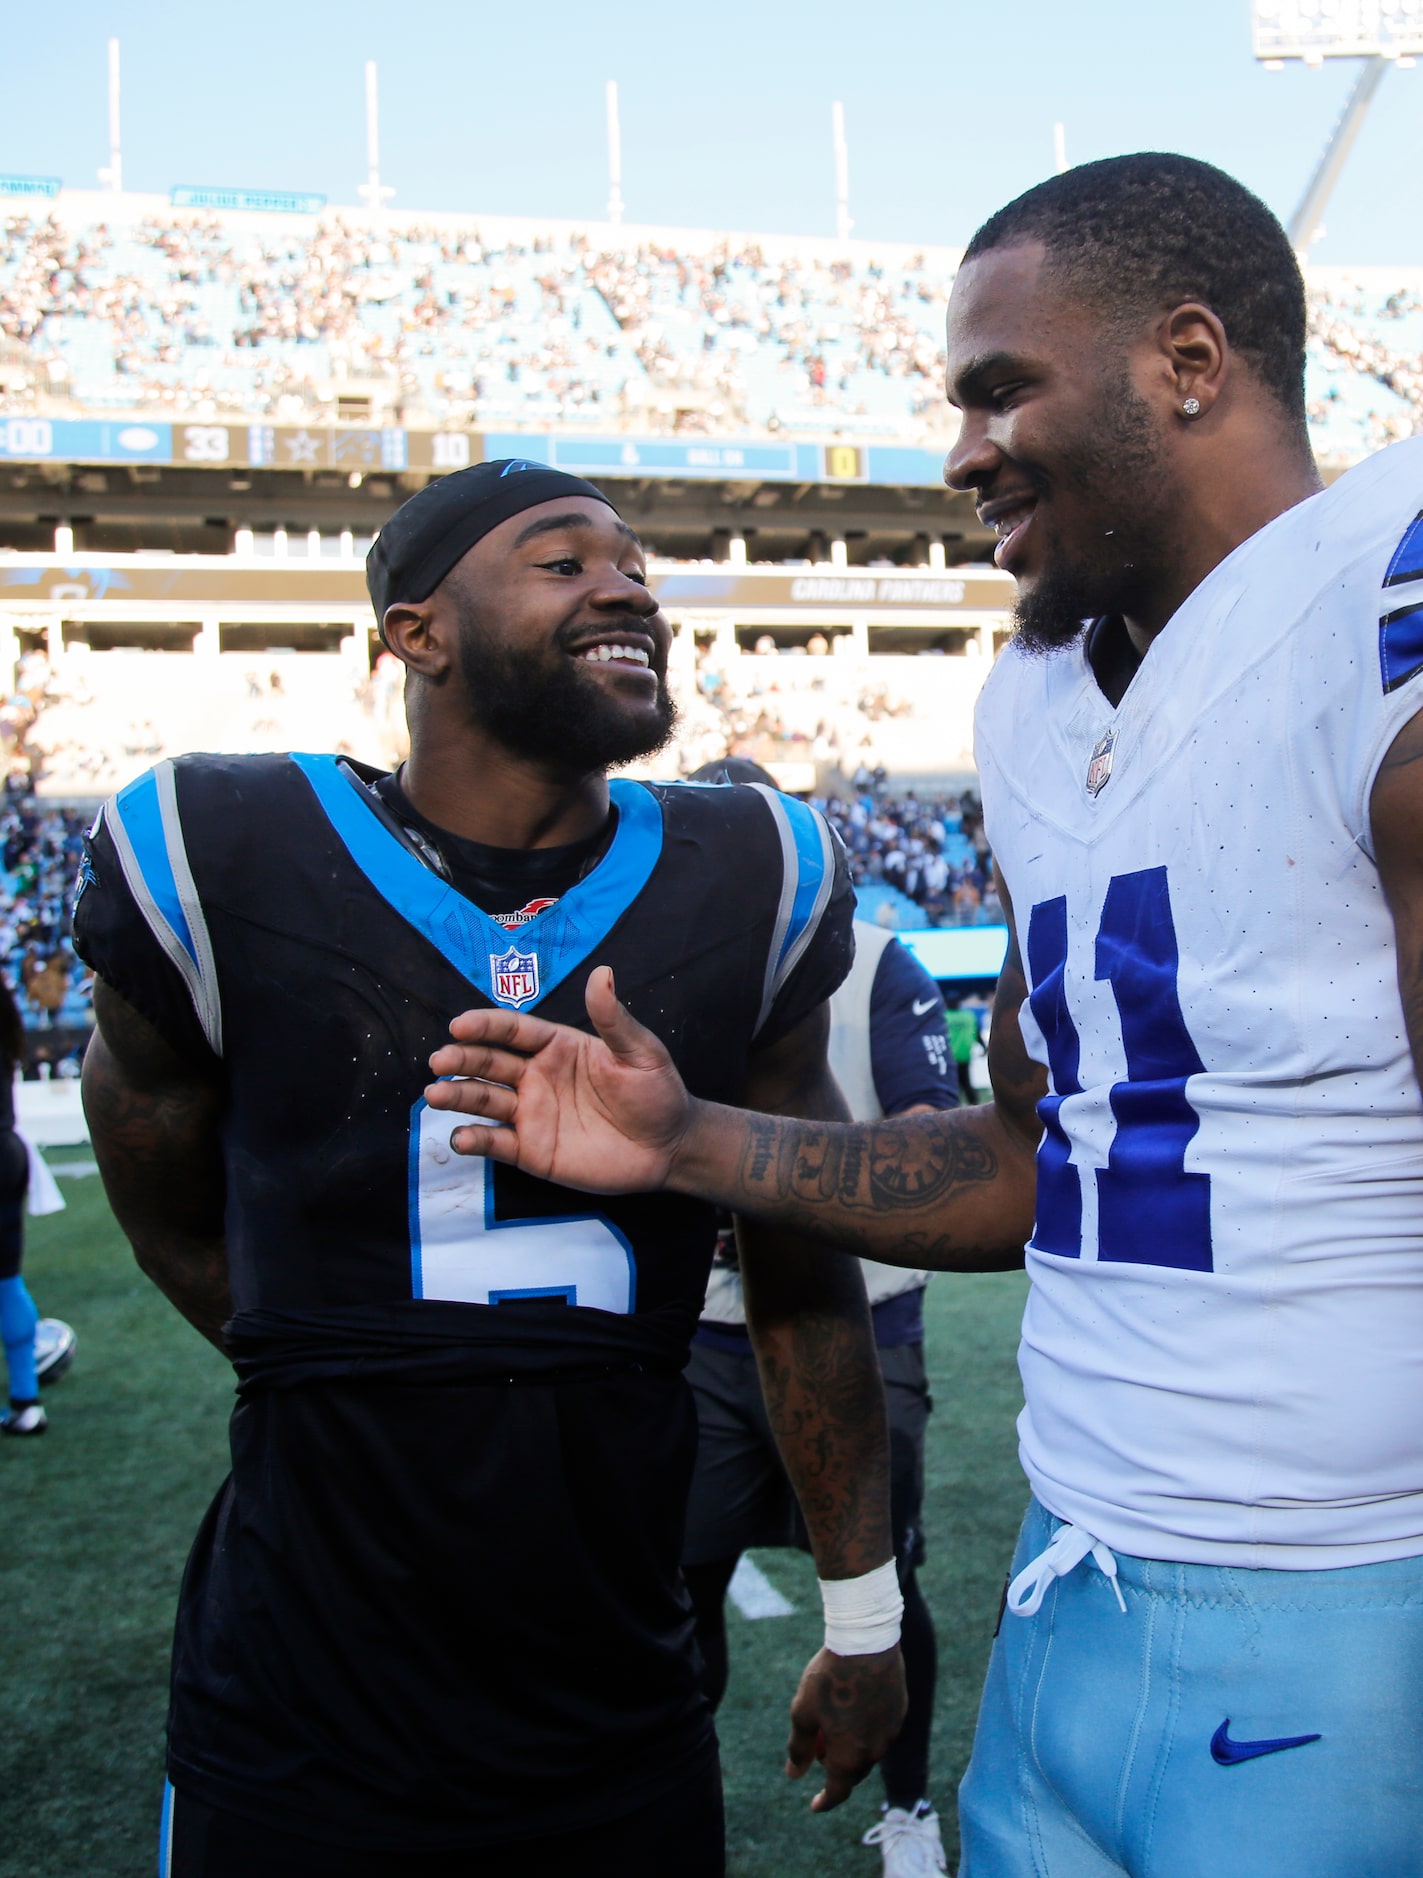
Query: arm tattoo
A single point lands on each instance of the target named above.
(825, 1401)
(872, 1167)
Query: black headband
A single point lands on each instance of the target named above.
(426, 536)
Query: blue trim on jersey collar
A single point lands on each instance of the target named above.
(142, 816)
(560, 937)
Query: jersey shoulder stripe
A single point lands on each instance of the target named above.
(807, 878)
(1401, 627)
(147, 832)
(470, 939)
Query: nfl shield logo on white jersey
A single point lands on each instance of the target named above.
(515, 976)
(1099, 769)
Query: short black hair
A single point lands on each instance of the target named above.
(1136, 233)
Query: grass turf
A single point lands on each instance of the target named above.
(100, 1512)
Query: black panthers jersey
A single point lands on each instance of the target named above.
(439, 1594)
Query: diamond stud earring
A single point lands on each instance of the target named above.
(1191, 408)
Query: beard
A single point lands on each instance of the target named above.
(547, 709)
(1121, 469)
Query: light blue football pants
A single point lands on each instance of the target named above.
(1155, 1742)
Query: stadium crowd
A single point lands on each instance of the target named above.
(40, 848)
(424, 322)
(440, 323)
(1364, 346)
(929, 850)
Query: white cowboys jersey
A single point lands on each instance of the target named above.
(1222, 1351)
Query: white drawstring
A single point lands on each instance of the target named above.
(1068, 1547)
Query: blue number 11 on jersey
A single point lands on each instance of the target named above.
(1150, 1211)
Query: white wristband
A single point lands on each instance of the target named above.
(862, 1615)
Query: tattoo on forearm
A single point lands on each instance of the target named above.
(826, 1403)
(869, 1167)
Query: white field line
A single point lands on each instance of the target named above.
(754, 1595)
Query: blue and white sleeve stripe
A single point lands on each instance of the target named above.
(147, 831)
(1401, 614)
(807, 879)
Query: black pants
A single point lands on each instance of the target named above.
(742, 1498)
(681, 1832)
(14, 1180)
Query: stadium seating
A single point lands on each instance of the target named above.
(456, 322)
(451, 325)
(1366, 360)
(39, 858)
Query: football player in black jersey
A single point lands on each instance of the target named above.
(435, 1615)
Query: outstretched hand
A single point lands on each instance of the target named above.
(604, 1113)
(846, 1712)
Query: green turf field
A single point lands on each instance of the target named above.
(99, 1514)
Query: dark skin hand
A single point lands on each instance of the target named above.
(810, 1328)
(154, 1124)
(948, 1191)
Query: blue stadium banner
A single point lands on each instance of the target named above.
(646, 456)
(45, 186)
(900, 466)
(711, 459)
(44, 439)
(261, 201)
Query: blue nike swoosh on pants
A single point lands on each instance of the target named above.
(1226, 1753)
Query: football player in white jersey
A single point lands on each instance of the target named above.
(1202, 767)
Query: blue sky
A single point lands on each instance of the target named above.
(725, 107)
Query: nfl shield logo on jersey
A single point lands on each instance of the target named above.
(515, 976)
(1099, 769)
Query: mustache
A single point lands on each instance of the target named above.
(640, 623)
(1031, 477)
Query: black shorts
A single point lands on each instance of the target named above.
(740, 1494)
(680, 1831)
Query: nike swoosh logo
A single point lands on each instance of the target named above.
(1226, 1753)
(927, 1005)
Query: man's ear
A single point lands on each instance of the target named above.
(413, 631)
(1197, 358)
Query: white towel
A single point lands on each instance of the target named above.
(44, 1195)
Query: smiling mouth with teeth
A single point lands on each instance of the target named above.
(608, 654)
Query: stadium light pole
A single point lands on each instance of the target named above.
(1307, 222)
(1380, 32)
(113, 177)
(615, 155)
(843, 224)
(373, 190)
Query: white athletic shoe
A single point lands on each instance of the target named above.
(29, 1420)
(55, 1344)
(909, 1842)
